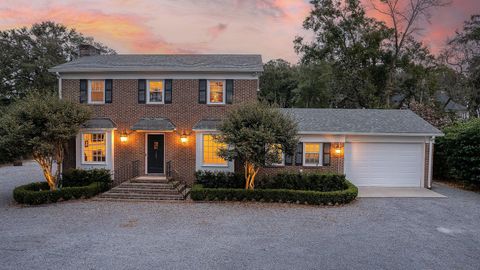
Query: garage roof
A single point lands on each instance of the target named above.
(361, 121)
(164, 63)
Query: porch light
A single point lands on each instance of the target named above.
(338, 150)
(184, 137)
(124, 136)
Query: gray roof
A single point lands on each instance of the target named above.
(164, 63)
(207, 124)
(361, 121)
(159, 124)
(99, 123)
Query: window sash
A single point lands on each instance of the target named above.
(156, 95)
(94, 148)
(209, 152)
(282, 157)
(312, 154)
(96, 91)
(216, 91)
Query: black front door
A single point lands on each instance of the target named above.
(155, 153)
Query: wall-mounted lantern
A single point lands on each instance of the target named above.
(184, 137)
(338, 150)
(124, 136)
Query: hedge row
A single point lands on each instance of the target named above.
(39, 193)
(79, 177)
(199, 193)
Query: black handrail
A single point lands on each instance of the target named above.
(126, 173)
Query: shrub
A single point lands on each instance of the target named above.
(457, 154)
(79, 177)
(303, 181)
(199, 193)
(40, 193)
(211, 179)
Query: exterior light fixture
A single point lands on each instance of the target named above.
(338, 150)
(184, 137)
(124, 136)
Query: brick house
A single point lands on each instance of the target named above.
(157, 113)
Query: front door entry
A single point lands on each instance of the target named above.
(155, 153)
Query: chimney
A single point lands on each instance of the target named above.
(88, 50)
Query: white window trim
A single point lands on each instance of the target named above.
(90, 92)
(163, 92)
(320, 157)
(203, 151)
(82, 147)
(224, 92)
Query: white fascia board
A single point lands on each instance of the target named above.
(370, 134)
(160, 75)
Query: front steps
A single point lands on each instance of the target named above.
(147, 188)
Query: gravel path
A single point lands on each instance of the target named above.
(371, 233)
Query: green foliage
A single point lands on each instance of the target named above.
(303, 181)
(251, 128)
(28, 53)
(39, 193)
(199, 193)
(314, 86)
(212, 179)
(457, 154)
(78, 177)
(277, 83)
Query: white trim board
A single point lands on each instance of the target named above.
(156, 75)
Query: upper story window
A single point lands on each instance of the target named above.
(94, 147)
(155, 91)
(277, 149)
(216, 92)
(210, 151)
(96, 91)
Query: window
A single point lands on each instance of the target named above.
(216, 92)
(210, 151)
(155, 91)
(281, 155)
(96, 91)
(311, 154)
(94, 147)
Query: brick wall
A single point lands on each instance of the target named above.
(336, 165)
(184, 112)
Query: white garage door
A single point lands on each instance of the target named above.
(384, 164)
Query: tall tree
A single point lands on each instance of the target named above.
(404, 17)
(352, 43)
(314, 86)
(277, 83)
(26, 54)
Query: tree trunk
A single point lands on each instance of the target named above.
(250, 173)
(46, 165)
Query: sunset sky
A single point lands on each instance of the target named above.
(267, 27)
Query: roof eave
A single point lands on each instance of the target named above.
(370, 133)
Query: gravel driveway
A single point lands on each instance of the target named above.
(371, 233)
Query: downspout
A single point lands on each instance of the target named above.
(59, 85)
(430, 161)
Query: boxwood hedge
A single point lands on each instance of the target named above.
(199, 193)
(39, 193)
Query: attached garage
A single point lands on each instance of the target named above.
(385, 164)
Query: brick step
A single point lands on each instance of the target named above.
(143, 191)
(149, 181)
(136, 196)
(147, 186)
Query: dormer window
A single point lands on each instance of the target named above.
(96, 91)
(155, 90)
(216, 92)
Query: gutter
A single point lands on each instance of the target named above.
(369, 134)
(430, 161)
(59, 85)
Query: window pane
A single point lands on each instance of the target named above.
(312, 153)
(312, 147)
(278, 149)
(94, 147)
(156, 89)
(210, 150)
(216, 91)
(97, 90)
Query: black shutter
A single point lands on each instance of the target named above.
(142, 90)
(108, 91)
(288, 160)
(168, 91)
(229, 90)
(202, 91)
(299, 154)
(326, 154)
(83, 91)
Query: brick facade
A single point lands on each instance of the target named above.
(184, 112)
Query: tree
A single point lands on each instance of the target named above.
(26, 54)
(277, 83)
(404, 16)
(351, 43)
(314, 84)
(40, 126)
(257, 134)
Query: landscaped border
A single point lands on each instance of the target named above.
(39, 193)
(199, 193)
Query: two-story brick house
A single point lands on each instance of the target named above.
(163, 109)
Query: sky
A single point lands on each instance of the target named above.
(266, 27)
